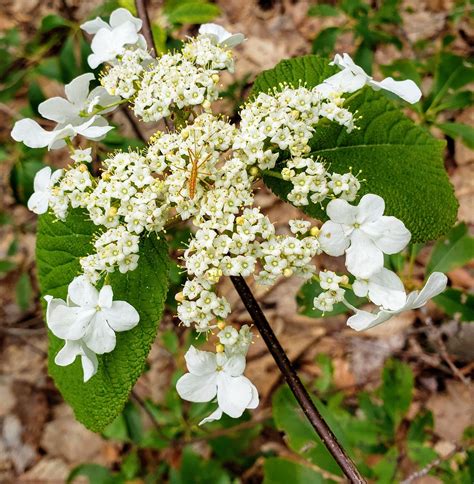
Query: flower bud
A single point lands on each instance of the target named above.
(215, 78)
(179, 296)
(254, 171)
(288, 272)
(314, 231)
(82, 168)
(219, 348)
(221, 325)
(240, 220)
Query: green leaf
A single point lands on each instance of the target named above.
(35, 96)
(454, 250)
(194, 469)
(59, 247)
(324, 43)
(457, 304)
(399, 160)
(95, 473)
(323, 10)
(23, 291)
(323, 382)
(459, 130)
(22, 177)
(284, 471)
(52, 22)
(396, 390)
(68, 62)
(193, 13)
(302, 438)
(311, 289)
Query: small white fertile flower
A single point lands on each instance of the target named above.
(383, 288)
(228, 336)
(220, 36)
(43, 183)
(362, 320)
(90, 316)
(82, 156)
(364, 233)
(212, 375)
(353, 77)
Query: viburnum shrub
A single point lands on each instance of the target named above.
(324, 136)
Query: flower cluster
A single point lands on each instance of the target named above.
(204, 172)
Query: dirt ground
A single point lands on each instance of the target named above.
(40, 441)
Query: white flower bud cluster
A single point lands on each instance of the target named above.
(333, 293)
(123, 78)
(172, 82)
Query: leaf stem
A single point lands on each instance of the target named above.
(146, 27)
(293, 381)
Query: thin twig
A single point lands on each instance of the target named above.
(152, 418)
(146, 28)
(434, 463)
(293, 381)
(443, 351)
(134, 125)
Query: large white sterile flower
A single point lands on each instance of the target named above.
(383, 288)
(79, 103)
(435, 285)
(352, 77)
(90, 316)
(363, 233)
(219, 35)
(43, 183)
(212, 375)
(33, 135)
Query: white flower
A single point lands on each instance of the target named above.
(90, 316)
(68, 353)
(220, 35)
(212, 375)
(362, 320)
(44, 181)
(33, 135)
(79, 102)
(228, 336)
(364, 233)
(353, 77)
(383, 288)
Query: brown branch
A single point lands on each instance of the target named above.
(134, 124)
(293, 381)
(146, 28)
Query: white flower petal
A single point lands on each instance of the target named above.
(362, 320)
(99, 336)
(200, 362)
(78, 89)
(82, 293)
(386, 289)
(233, 40)
(69, 322)
(42, 179)
(58, 109)
(197, 388)
(121, 316)
(89, 363)
(68, 353)
(216, 415)
(363, 257)
(345, 81)
(122, 15)
(341, 212)
(255, 399)
(389, 234)
(235, 365)
(31, 133)
(370, 208)
(38, 202)
(332, 239)
(233, 394)
(106, 296)
(435, 285)
(93, 26)
(406, 90)
(360, 287)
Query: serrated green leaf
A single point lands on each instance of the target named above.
(193, 13)
(399, 160)
(457, 304)
(324, 43)
(454, 250)
(58, 249)
(282, 471)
